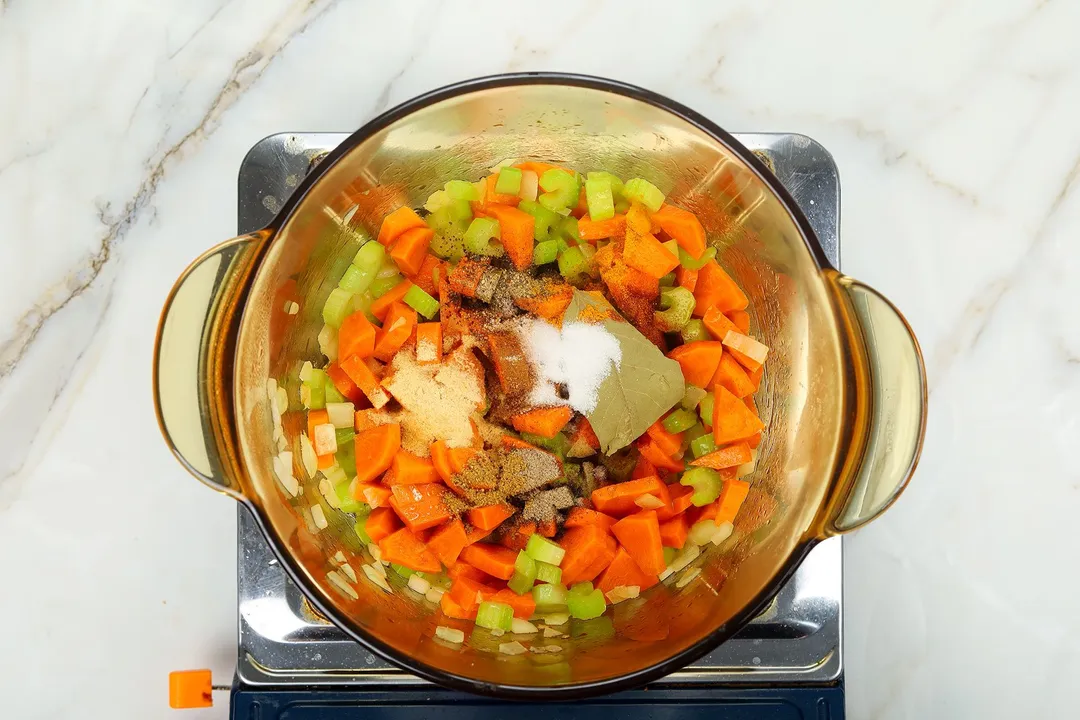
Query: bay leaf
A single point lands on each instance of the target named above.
(643, 386)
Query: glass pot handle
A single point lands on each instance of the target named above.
(193, 355)
(889, 407)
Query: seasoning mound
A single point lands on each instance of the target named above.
(578, 358)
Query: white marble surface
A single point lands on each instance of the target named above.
(956, 126)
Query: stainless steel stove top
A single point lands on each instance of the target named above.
(282, 642)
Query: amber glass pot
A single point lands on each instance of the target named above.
(844, 394)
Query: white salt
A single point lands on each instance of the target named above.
(580, 357)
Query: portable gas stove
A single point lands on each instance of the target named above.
(291, 663)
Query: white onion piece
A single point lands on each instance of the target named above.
(376, 553)
(282, 401)
(271, 388)
(747, 468)
(434, 594)
(326, 489)
(341, 415)
(552, 633)
(521, 627)
(338, 580)
(557, 618)
(723, 532)
(319, 517)
(512, 648)
(687, 556)
(449, 634)
(379, 579)
(687, 577)
(305, 371)
(623, 592)
(328, 345)
(283, 470)
(701, 532)
(747, 345)
(419, 584)
(339, 558)
(308, 457)
(325, 440)
(648, 502)
(530, 185)
(347, 569)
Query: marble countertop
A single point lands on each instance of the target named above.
(956, 127)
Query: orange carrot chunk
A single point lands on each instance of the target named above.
(344, 383)
(656, 455)
(359, 372)
(411, 248)
(524, 606)
(381, 523)
(545, 422)
(686, 278)
(581, 516)
(489, 516)
(670, 443)
(381, 305)
(404, 548)
(715, 288)
(314, 419)
(356, 336)
(440, 458)
(375, 450)
(698, 361)
(741, 318)
(451, 609)
(397, 328)
(624, 572)
(730, 456)
(618, 500)
(495, 560)
(717, 323)
(732, 420)
(589, 550)
(673, 532)
(731, 375)
(516, 232)
(420, 506)
(448, 541)
(397, 222)
(640, 535)
(732, 496)
(684, 228)
(645, 253)
(593, 230)
(409, 469)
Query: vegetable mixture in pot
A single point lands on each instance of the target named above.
(536, 398)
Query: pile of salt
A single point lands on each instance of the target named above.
(578, 357)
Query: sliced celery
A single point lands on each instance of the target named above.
(693, 331)
(545, 252)
(313, 390)
(421, 302)
(668, 280)
(702, 446)
(572, 263)
(669, 555)
(540, 548)
(355, 280)
(402, 570)
(346, 500)
(677, 305)
(524, 575)
(548, 573)
(545, 219)
(346, 458)
(613, 181)
(679, 420)
(561, 190)
(706, 483)
(694, 431)
(558, 444)
(508, 181)
(383, 285)
(688, 261)
(337, 306)
(549, 597)
(586, 605)
(494, 616)
(344, 435)
(599, 197)
(462, 190)
(370, 257)
(361, 531)
(568, 228)
(644, 192)
(448, 245)
(705, 409)
(331, 394)
(479, 238)
(437, 200)
(692, 396)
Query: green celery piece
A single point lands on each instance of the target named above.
(462, 190)
(561, 190)
(436, 201)
(402, 570)
(613, 181)
(586, 606)
(519, 583)
(693, 331)
(679, 420)
(690, 263)
(669, 555)
(480, 235)
(545, 252)
(600, 198)
(524, 575)
(448, 245)
(346, 458)
(705, 409)
(460, 211)
(381, 286)
(706, 483)
(572, 263)
(494, 615)
(548, 573)
(370, 257)
(508, 182)
(545, 219)
(331, 394)
(558, 444)
(644, 192)
(337, 306)
(361, 531)
(702, 446)
(621, 206)
(421, 302)
(677, 305)
(558, 179)
(568, 228)
(543, 550)
(694, 431)
(549, 597)
(355, 280)
(692, 397)
(344, 435)
(581, 588)
(562, 245)
(313, 392)
(347, 502)
(317, 378)
(668, 280)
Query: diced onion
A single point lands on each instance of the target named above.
(552, 633)
(723, 532)
(271, 388)
(521, 627)
(319, 517)
(701, 532)
(328, 343)
(687, 556)
(747, 468)
(305, 371)
(341, 415)
(338, 580)
(419, 584)
(434, 595)
(325, 440)
(282, 401)
(283, 470)
(291, 307)
(512, 648)
(497, 632)
(687, 577)
(326, 489)
(530, 185)
(746, 345)
(376, 553)
(347, 569)
(339, 558)
(648, 502)
(623, 592)
(543, 649)
(557, 618)
(374, 576)
(449, 634)
(308, 456)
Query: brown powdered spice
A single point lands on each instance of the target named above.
(497, 475)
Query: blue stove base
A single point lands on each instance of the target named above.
(726, 703)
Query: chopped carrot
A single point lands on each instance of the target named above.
(715, 288)
(581, 516)
(314, 419)
(537, 167)
(325, 462)
(381, 523)
(460, 457)
(549, 303)
(593, 230)
(524, 606)
(404, 548)
(397, 222)
(684, 227)
(410, 469)
(429, 343)
(511, 361)
(420, 506)
(344, 384)
(668, 442)
(583, 440)
(645, 253)
(725, 457)
(637, 219)
(448, 541)
(589, 550)
(698, 361)
(686, 278)
(381, 305)
(681, 501)
(465, 277)
(411, 248)
(732, 496)
(488, 517)
(361, 375)
(618, 499)
(464, 569)
(516, 233)
(356, 336)
(754, 440)
(624, 572)
(468, 593)
(451, 609)
(755, 377)
(440, 458)
(673, 532)
(517, 537)
(640, 535)
(656, 455)
(717, 323)
(643, 468)
(741, 319)
(732, 420)
(375, 450)
(373, 493)
(427, 277)
(746, 350)
(731, 375)
(367, 419)
(547, 528)
(495, 560)
(545, 422)
(397, 329)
